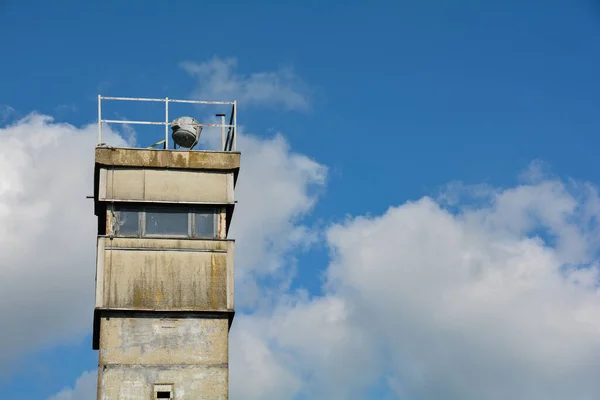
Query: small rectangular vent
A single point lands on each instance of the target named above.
(163, 391)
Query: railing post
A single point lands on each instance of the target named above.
(99, 119)
(234, 125)
(222, 131)
(167, 123)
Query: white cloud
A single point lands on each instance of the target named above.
(498, 301)
(218, 79)
(47, 232)
(459, 312)
(257, 372)
(274, 191)
(84, 389)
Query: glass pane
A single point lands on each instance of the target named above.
(127, 223)
(167, 222)
(205, 224)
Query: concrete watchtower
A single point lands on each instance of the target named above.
(164, 273)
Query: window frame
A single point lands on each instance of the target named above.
(142, 209)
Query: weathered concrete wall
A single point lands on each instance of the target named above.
(136, 382)
(158, 340)
(148, 158)
(138, 353)
(164, 274)
(156, 185)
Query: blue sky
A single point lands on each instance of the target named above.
(399, 99)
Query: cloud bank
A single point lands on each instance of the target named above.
(47, 230)
(494, 301)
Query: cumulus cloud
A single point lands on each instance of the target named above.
(84, 389)
(274, 191)
(47, 232)
(256, 371)
(473, 305)
(314, 344)
(495, 301)
(218, 79)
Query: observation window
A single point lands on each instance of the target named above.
(168, 221)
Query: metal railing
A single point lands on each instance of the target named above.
(228, 141)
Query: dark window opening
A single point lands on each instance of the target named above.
(163, 395)
(102, 222)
